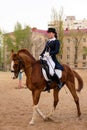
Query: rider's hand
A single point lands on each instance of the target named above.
(46, 54)
(40, 57)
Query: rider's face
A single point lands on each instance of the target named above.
(50, 35)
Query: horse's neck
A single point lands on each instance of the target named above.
(32, 69)
(29, 61)
(28, 72)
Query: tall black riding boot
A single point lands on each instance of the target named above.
(48, 84)
(56, 78)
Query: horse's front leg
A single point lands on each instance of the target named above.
(36, 97)
(56, 100)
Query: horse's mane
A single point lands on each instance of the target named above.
(26, 52)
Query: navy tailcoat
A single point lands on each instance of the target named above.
(53, 48)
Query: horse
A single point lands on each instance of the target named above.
(35, 81)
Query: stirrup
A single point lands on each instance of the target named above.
(48, 84)
(60, 85)
(46, 89)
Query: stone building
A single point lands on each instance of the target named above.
(39, 39)
(71, 22)
(74, 53)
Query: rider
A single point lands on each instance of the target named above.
(52, 46)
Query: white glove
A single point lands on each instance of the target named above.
(40, 57)
(46, 54)
(21, 71)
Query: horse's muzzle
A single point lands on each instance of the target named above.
(13, 75)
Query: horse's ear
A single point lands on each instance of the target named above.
(12, 51)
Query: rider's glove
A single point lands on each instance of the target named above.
(46, 54)
(40, 57)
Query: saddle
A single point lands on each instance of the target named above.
(45, 67)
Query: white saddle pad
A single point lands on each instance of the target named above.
(57, 71)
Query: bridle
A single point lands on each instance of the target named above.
(20, 62)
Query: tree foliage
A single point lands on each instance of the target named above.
(57, 22)
(1, 49)
(20, 38)
(76, 36)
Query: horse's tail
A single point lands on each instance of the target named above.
(80, 81)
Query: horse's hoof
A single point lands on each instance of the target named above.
(31, 122)
(79, 118)
(49, 115)
(48, 119)
(45, 118)
(79, 115)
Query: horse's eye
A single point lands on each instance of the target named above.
(15, 65)
(14, 59)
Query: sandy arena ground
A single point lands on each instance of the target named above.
(16, 107)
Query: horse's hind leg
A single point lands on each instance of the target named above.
(56, 100)
(71, 86)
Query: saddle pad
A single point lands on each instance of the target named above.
(58, 73)
(45, 75)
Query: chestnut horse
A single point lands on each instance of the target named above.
(23, 60)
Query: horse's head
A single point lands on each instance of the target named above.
(16, 65)
(21, 60)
